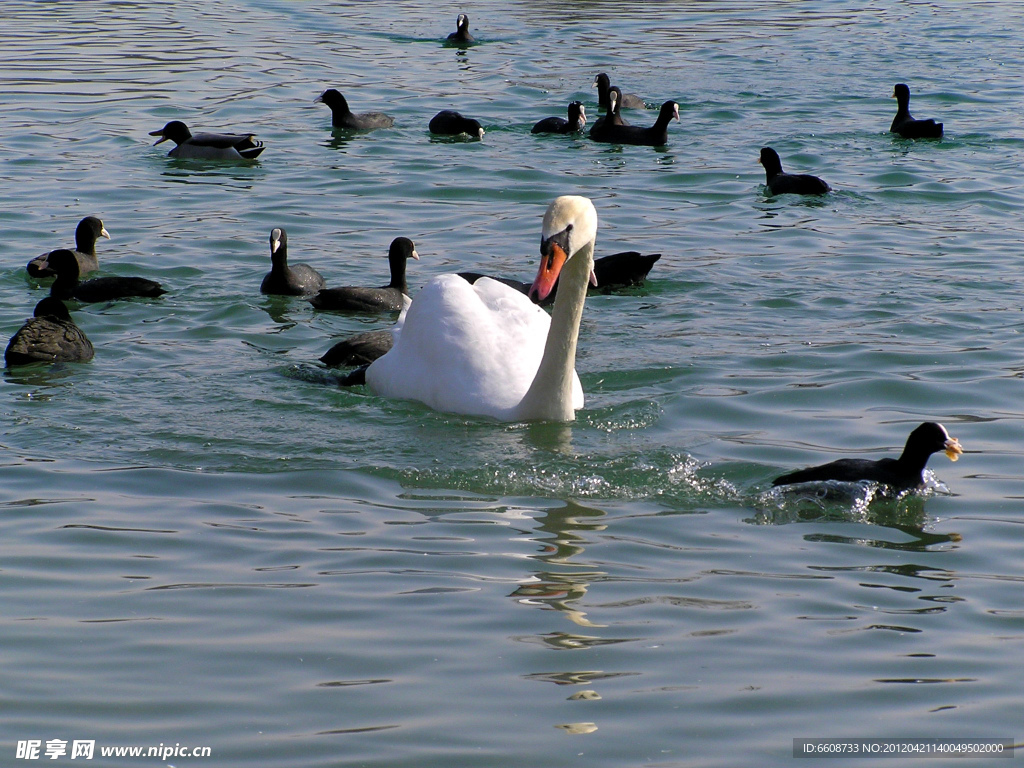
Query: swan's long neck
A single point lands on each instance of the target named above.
(550, 396)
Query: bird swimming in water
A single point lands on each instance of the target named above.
(461, 34)
(285, 280)
(781, 183)
(485, 349)
(577, 118)
(67, 286)
(88, 231)
(389, 298)
(360, 349)
(49, 336)
(208, 146)
(904, 123)
(626, 100)
(448, 122)
(904, 473)
(602, 127)
(654, 136)
(613, 272)
(343, 117)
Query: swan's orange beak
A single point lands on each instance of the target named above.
(551, 260)
(547, 274)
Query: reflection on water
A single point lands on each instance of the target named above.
(560, 536)
(920, 540)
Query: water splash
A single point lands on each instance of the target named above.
(865, 502)
(661, 475)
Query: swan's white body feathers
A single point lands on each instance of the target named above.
(485, 349)
(453, 349)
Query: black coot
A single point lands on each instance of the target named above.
(781, 183)
(89, 230)
(577, 118)
(461, 34)
(284, 280)
(904, 473)
(343, 117)
(654, 136)
(448, 122)
(904, 124)
(67, 285)
(49, 336)
(389, 298)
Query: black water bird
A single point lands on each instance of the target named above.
(627, 100)
(343, 117)
(654, 136)
(781, 183)
(360, 349)
(904, 124)
(612, 272)
(603, 125)
(67, 285)
(448, 122)
(389, 298)
(577, 119)
(461, 34)
(904, 473)
(88, 231)
(623, 270)
(49, 336)
(284, 280)
(208, 146)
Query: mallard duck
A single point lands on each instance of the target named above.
(208, 146)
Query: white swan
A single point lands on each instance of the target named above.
(486, 350)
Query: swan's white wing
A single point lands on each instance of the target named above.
(463, 348)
